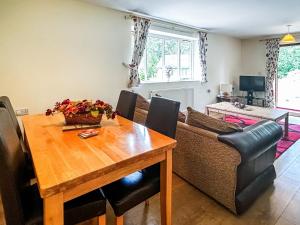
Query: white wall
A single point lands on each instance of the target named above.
(50, 50)
(253, 57)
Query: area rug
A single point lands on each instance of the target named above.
(284, 143)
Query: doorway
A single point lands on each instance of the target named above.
(288, 77)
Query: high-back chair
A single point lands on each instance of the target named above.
(126, 104)
(136, 188)
(162, 116)
(22, 204)
(5, 103)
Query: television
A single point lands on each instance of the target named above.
(252, 83)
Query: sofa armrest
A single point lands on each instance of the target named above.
(254, 140)
(206, 163)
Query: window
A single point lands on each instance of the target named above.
(167, 58)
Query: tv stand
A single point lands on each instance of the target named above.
(243, 99)
(249, 97)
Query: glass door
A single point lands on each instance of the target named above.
(288, 78)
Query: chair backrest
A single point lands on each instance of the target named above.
(5, 102)
(162, 116)
(126, 104)
(12, 165)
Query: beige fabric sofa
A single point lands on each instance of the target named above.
(198, 158)
(215, 167)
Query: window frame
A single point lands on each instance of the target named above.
(179, 41)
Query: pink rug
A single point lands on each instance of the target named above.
(283, 144)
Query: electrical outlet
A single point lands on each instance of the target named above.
(21, 112)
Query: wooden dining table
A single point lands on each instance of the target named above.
(67, 166)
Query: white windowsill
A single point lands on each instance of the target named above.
(164, 82)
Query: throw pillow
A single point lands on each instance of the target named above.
(142, 103)
(201, 120)
(181, 117)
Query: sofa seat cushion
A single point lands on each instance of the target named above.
(143, 103)
(201, 120)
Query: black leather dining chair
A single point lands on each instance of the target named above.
(136, 188)
(126, 104)
(22, 204)
(5, 103)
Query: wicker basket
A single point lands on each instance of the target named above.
(83, 119)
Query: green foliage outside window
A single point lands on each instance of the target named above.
(289, 60)
(154, 55)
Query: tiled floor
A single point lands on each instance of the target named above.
(279, 205)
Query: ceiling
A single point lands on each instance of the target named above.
(238, 18)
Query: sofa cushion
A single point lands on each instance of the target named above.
(201, 120)
(181, 117)
(144, 104)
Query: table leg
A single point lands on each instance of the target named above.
(166, 189)
(286, 126)
(207, 111)
(54, 210)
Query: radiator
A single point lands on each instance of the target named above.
(183, 95)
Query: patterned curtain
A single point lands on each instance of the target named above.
(272, 52)
(203, 53)
(141, 28)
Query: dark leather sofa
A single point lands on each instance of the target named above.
(257, 148)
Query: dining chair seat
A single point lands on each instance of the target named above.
(77, 210)
(131, 190)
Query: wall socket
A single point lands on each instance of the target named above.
(21, 112)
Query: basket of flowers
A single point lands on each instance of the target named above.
(83, 112)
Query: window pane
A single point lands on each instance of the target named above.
(171, 60)
(185, 60)
(154, 58)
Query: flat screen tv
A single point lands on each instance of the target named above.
(252, 83)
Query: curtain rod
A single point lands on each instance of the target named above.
(279, 36)
(158, 19)
(266, 39)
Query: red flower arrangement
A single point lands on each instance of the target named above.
(83, 112)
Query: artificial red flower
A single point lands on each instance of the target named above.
(66, 102)
(113, 115)
(49, 112)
